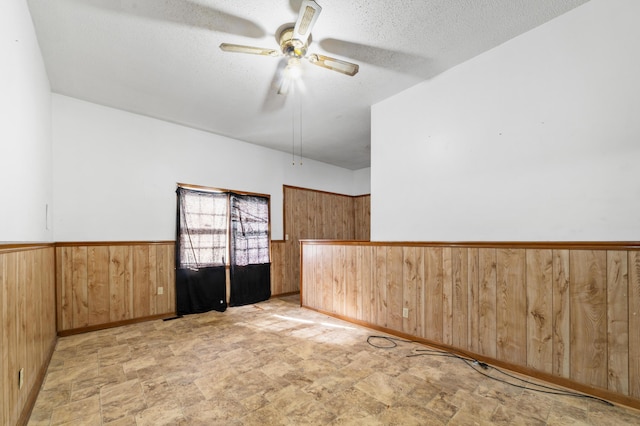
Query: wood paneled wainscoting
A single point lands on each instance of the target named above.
(28, 335)
(104, 284)
(279, 272)
(568, 313)
(312, 214)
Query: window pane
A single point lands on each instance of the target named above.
(202, 228)
(250, 229)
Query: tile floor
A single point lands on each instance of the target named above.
(274, 363)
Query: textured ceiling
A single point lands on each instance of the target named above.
(160, 58)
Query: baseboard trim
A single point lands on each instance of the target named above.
(63, 333)
(291, 293)
(35, 390)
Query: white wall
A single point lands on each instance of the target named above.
(537, 139)
(115, 173)
(362, 181)
(25, 129)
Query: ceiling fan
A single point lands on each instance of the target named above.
(294, 41)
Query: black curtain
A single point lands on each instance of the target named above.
(201, 290)
(200, 251)
(250, 262)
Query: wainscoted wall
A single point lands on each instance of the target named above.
(565, 312)
(279, 278)
(103, 284)
(113, 283)
(28, 335)
(311, 214)
(362, 216)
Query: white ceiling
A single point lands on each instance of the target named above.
(160, 58)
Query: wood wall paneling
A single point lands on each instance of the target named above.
(561, 325)
(326, 277)
(10, 338)
(22, 342)
(141, 278)
(309, 269)
(98, 284)
(433, 300)
(487, 302)
(61, 290)
(317, 292)
(588, 295)
(473, 302)
(153, 280)
(278, 270)
(634, 323)
(412, 261)
(447, 296)
(567, 313)
(102, 283)
(308, 204)
(511, 318)
(318, 263)
(353, 308)
(357, 282)
(337, 221)
(539, 279)
(364, 270)
(165, 278)
(80, 303)
(362, 212)
(118, 286)
(339, 298)
(394, 287)
(460, 297)
(28, 334)
(380, 286)
(4, 362)
(311, 214)
(617, 286)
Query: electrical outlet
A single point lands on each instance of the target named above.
(20, 378)
(160, 290)
(286, 237)
(405, 312)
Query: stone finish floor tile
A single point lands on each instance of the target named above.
(274, 363)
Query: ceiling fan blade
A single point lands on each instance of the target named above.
(307, 17)
(391, 59)
(334, 64)
(238, 48)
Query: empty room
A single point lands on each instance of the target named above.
(319, 212)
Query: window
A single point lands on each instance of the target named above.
(202, 229)
(249, 230)
(221, 236)
(206, 221)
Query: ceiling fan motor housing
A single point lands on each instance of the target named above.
(290, 46)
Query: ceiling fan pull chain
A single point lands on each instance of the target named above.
(293, 133)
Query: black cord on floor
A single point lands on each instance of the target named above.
(392, 342)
